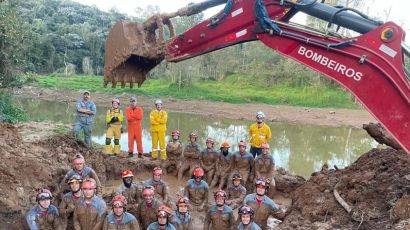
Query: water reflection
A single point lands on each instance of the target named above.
(302, 149)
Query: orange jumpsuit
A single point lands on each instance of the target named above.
(134, 118)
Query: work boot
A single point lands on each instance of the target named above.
(108, 149)
(140, 155)
(117, 149)
(130, 155)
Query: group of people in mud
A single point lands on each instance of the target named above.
(240, 180)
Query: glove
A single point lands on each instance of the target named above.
(114, 119)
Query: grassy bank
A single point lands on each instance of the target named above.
(233, 89)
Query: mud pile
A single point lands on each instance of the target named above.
(375, 188)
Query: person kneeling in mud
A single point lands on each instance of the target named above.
(132, 191)
(264, 168)
(219, 215)
(190, 159)
(246, 214)
(119, 218)
(163, 215)
(70, 200)
(209, 159)
(147, 209)
(223, 167)
(174, 153)
(44, 215)
(236, 192)
(197, 190)
(242, 162)
(182, 220)
(114, 119)
(85, 172)
(161, 187)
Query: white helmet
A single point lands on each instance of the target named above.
(158, 101)
(260, 115)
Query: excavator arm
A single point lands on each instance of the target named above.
(371, 65)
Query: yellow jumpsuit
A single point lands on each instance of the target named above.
(114, 130)
(158, 121)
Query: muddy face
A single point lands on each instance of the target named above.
(219, 200)
(242, 149)
(128, 181)
(265, 151)
(118, 210)
(182, 208)
(236, 182)
(148, 198)
(88, 192)
(246, 219)
(260, 190)
(78, 166)
(156, 177)
(44, 203)
(74, 186)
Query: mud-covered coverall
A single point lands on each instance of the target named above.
(197, 193)
(174, 154)
(128, 222)
(84, 121)
(134, 119)
(236, 195)
(182, 221)
(219, 220)
(242, 163)
(208, 160)
(43, 220)
(66, 208)
(223, 169)
(253, 226)
(161, 190)
(133, 195)
(190, 159)
(158, 121)
(147, 213)
(114, 120)
(90, 216)
(264, 168)
(87, 172)
(259, 136)
(263, 210)
(155, 226)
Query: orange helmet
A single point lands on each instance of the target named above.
(265, 146)
(175, 133)
(242, 143)
(225, 144)
(127, 173)
(78, 159)
(193, 135)
(148, 191)
(221, 193)
(43, 194)
(198, 172)
(157, 171)
(119, 201)
(88, 183)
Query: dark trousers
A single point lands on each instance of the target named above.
(255, 151)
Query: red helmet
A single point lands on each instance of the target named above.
(164, 211)
(245, 209)
(43, 194)
(260, 182)
(88, 183)
(183, 200)
(175, 133)
(127, 173)
(75, 177)
(242, 143)
(221, 193)
(198, 172)
(119, 201)
(225, 144)
(78, 159)
(193, 135)
(265, 146)
(148, 191)
(157, 171)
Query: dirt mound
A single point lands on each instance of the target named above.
(375, 187)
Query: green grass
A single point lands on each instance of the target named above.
(232, 89)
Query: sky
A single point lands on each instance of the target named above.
(398, 14)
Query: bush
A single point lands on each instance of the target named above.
(9, 112)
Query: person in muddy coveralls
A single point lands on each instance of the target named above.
(245, 214)
(242, 162)
(164, 214)
(161, 187)
(260, 133)
(86, 110)
(197, 191)
(84, 171)
(44, 215)
(190, 159)
(263, 205)
(264, 168)
(219, 215)
(223, 167)
(236, 192)
(182, 220)
(114, 118)
(174, 153)
(134, 115)
(70, 200)
(131, 190)
(147, 209)
(158, 120)
(90, 212)
(119, 218)
(208, 160)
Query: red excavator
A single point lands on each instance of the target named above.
(371, 65)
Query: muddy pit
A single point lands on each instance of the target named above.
(375, 187)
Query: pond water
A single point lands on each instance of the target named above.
(301, 149)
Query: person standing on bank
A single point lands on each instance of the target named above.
(114, 119)
(158, 121)
(86, 110)
(134, 115)
(259, 133)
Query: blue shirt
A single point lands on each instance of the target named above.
(81, 104)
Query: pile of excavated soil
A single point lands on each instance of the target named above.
(375, 187)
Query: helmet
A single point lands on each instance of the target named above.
(260, 115)
(158, 101)
(148, 191)
(157, 170)
(116, 100)
(127, 173)
(164, 211)
(236, 176)
(221, 193)
(175, 133)
(88, 183)
(78, 159)
(183, 200)
(193, 135)
(242, 143)
(210, 140)
(265, 146)
(260, 182)
(225, 144)
(198, 172)
(43, 194)
(119, 201)
(245, 209)
(75, 177)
